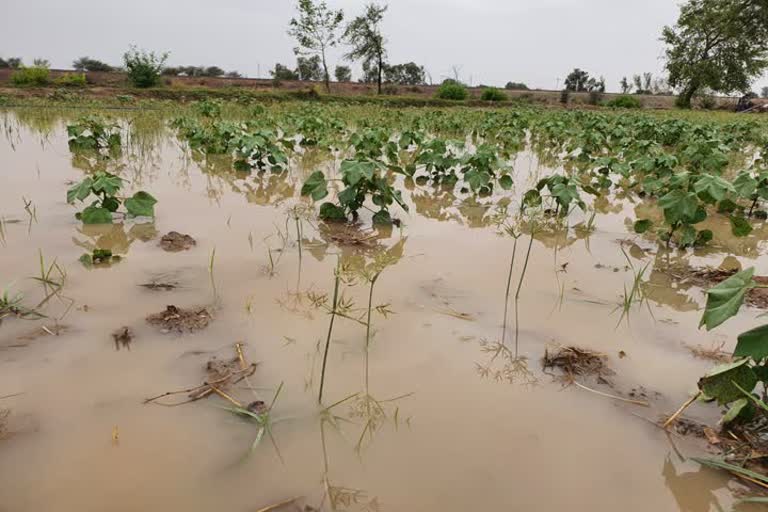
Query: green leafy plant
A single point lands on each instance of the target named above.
(144, 68)
(99, 258)
(104, 187)
(493, 94)
(562, 191)
(450, 90)
(362, 179)
(93, 133)
(71, 80)
(624, 102)
(31, 76)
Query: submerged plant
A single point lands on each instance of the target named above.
(93, 133)
(104, 187)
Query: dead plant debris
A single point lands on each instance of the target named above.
(123, 338)
(174, 241)
(221, 375)
(160, 286)
(174, 318)
(574, 361)
(714, 353)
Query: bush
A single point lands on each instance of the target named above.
(89, 64)
(516, 86)
(625, 102)
(34, 75)
(390, 90)
(144, 68)
(707, 103)
(71, 80)
(452, 91)
(493, 94)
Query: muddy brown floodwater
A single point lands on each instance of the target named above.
(454, 428)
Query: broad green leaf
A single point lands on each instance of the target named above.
(687, 236)
(355, 170)
(80, 191)
(725, 299)
(704, 237)
(735, 410)
(506, 182)
(96, 215)
(316, 186)
(753, 343)
(642, 225)
(107, 183)
(477, 179)
(347, 196)
(679, 206)
(745, 185)
(141, 204)
(715, 186)
(740, 226)
(532, 199)
(382, 217)
(331, 212)
(111, 204)
(720, 383)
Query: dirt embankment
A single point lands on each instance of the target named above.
(116, 83)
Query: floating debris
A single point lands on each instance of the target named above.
(576, 361)
(175, 242)
(220, 376)
(181, 320)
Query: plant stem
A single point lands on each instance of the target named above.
(330, 331)
(519, 287)
(368, 327)
(506, 294)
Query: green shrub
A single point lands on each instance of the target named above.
(71, 80)
(625, 102)
(33, 75)
(493, 94)
(144, 68)
(450, 90)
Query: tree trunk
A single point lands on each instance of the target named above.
(684, 100)
(381, 65)
(326, 77)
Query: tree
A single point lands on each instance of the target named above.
(721, 45)
(283, 73)
(343, 74)
(516, 86)
(233, 74)
(309, 68)
(14, 62)
(41, 63)
(625, 87)
(764, 92)
(364, 35)
(577, 80)
(89, 64)
(409, 73)
(144, 67)
(315, 32)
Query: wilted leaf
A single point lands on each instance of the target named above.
(720, 382)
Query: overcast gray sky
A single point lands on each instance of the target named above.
(491, 41)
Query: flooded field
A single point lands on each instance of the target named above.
(427, 342)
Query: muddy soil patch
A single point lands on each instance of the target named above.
(175, 242)
(180, 320)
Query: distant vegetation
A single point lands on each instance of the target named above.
(452, 90)
(719, 45)
(207, 71)
(579, 80)
(493, 94)
(516, 86)
(10, 62)
(89, 64)
(31, 76)
(343, 74)
(625, 102)
(143, 67)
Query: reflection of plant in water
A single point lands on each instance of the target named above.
(515, 367)
(114, 237)
(340, 497)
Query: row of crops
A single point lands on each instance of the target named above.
(689, 168)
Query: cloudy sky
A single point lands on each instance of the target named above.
(488, 41)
